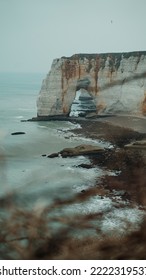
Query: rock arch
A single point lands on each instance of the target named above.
(78, 93)
(83, 104)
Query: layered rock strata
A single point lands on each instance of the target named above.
(116, 82)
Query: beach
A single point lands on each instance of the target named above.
(120, 131)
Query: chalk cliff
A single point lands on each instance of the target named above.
(116, 82)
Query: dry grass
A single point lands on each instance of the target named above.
(29, 235)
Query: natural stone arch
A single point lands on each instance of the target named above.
(70, 95)
(83, 104)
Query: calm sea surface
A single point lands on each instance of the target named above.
(37, 180)
(24, 168)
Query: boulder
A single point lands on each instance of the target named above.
(53, 155)
(85, 165)
(136, 145)
(17, 133)
(78, 151)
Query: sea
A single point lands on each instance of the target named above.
(35, 181)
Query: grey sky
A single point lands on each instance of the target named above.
(34, 32)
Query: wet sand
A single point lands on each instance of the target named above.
(131, 122)
(118, 130)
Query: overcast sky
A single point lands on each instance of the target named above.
(34, 32)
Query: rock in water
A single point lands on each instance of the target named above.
(53, 155)
(17, 133)
(78, 151)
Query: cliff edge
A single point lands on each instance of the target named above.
(115, 82)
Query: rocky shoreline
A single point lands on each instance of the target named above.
(128, 164)
(66, 117)
(123, 133)
(124, 185)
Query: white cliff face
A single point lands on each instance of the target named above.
(117, 83)
(50, 93)
(124, 90)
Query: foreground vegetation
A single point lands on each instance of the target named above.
(28, 234)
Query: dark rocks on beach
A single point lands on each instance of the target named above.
(62, 117)
(53, 155)
(17, 133)
(85, 165)
(78, 151)
(136, 145)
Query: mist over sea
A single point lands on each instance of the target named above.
(35, 180)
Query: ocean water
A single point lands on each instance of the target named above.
(35, 181)
(23, 169)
